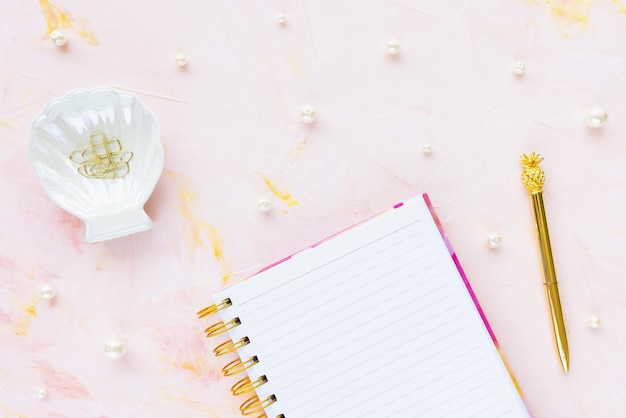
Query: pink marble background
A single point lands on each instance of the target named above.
(232, 134)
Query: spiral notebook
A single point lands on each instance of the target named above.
(376, 321)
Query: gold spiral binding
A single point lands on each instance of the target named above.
(221, 327)
(209, 310)
(245, 385)
(254, 405)
(230, 346)
(264, 415)
(237, 366)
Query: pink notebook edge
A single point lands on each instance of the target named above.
(479, 308)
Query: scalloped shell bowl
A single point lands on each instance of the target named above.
(98, 155)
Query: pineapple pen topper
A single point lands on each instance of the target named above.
(533, 178)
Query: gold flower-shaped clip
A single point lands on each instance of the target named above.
(103, 158)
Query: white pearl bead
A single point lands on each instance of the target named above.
(264, 205)
(115, 348)
(58, 37)
(597, 117)
(519, 68)
(281, 18)
(181, 60)
(594, 321)
(308, 113)
(48, 292)
(393, 47)
(42, 393)
(427, 149)
(494, 240)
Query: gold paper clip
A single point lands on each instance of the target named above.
(103, 158)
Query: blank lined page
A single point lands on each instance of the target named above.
(374, 322)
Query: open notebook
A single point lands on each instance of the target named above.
(376, 321)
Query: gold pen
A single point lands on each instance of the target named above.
(533, 179)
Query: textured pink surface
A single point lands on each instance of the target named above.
(232, 134)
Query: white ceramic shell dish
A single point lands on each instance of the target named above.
(98, 155)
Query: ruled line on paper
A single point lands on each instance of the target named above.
(278, 296)
(374, 331)
(475, 386)
(345, 306)
(360, 364)
(384, 326)
(490, 407)
(402, 383)
(449, 400)
(476, 400)
(357, 314)
(342, 283)
(417, 388)
(331, 261)
(420, 360)
(504, 414)
(302, 288)
(430, 382)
